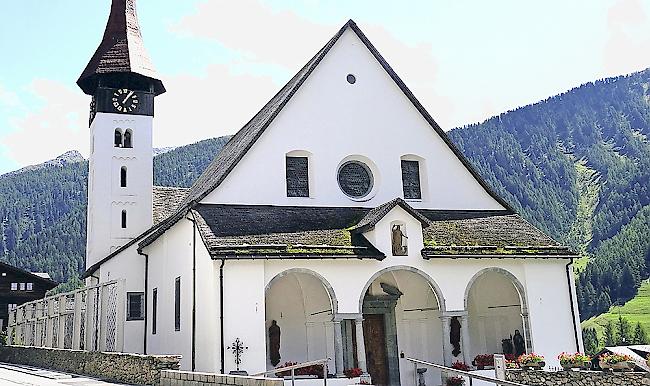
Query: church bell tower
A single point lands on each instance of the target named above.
(123, 85)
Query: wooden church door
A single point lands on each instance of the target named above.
(374, 334)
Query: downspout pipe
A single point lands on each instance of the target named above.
(573, 310)
(146, 295)
(193, 220)
(221, 322)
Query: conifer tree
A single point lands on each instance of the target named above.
(640, 336)
(623, 332)
(610, 339)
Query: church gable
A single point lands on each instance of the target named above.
(358, 136)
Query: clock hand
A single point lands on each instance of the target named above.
(127, 97)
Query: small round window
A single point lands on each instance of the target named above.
(355, 179)
(351, 79)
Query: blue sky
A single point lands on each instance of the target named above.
(466, 60)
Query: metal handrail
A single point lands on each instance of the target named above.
(471, 376)
(298, 366)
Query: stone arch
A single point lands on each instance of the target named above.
(515, 282)
(328, 287)
(520, 290)
(302, 304)
(432, 283)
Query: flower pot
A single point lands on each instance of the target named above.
(576, 365)
(619, 366)
(533, 365)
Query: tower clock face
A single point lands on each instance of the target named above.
(125, 100)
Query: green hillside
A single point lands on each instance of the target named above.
(635, 311)
(578, 166)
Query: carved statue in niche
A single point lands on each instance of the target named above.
(398, 241)
(274, 343)
(454, 335)
(520, 343)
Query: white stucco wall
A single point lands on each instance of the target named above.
(127, 265)
(332, 120)
(170, 256)
(106, 199)
(549, 309)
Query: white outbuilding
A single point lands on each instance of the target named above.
(340, 222)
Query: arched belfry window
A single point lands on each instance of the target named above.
(123, 219)
(123, 177)
(118, 138)
(128, 141)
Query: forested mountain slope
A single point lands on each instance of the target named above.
(43, 207)
(578, 166)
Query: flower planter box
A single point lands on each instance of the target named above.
(576, 365)
(619, 366)
(533, 366)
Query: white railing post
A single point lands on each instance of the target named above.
(61, 313)
(49, 322)
(103, 300)
(76, 321)
(88, 317)
(120, 316)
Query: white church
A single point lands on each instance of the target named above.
(340, 222)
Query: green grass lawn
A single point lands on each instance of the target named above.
(635, 310)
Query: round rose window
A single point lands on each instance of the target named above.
(355, 179)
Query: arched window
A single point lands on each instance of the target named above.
(124, 219)
(128, 142)
(123, 177)
(118, 138)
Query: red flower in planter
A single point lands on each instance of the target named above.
(353, 372)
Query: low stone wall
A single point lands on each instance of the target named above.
(119, 367)
(575, 378)
(187, 378)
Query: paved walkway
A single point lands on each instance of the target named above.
(11, 375)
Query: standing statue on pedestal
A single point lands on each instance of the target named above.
(454, 335)
(274, 343)
(520, 343)
(398, 241)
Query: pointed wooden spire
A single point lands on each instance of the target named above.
(121, 52)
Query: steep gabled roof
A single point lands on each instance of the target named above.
(120, 51)
(376, 214)
(245, 138)
(38, 277)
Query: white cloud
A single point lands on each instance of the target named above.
(48, 131)
(283, 38)
(199, 107)
(628, 46)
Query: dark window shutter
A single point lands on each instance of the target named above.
(297, 177)
(411, 179)
(177, 304)
(135, 306)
